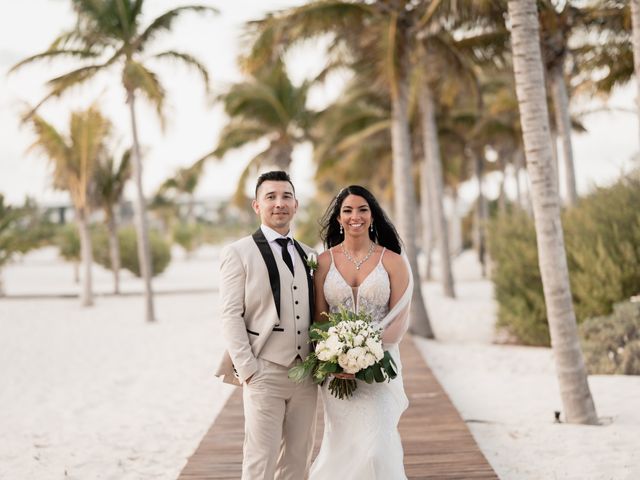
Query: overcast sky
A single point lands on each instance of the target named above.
(27, 27)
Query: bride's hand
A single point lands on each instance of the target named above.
(345, 376)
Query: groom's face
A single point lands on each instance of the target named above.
(276, 205)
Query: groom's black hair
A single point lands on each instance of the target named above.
(384, 233)
(274, 175)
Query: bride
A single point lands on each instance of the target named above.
(363, 270)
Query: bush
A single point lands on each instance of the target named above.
(188, 236)
(603, 248)
(611, 344)
(602, 240)
(160, 251)
(516, 278)
(68, 242)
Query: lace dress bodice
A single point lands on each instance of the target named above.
(371, 296)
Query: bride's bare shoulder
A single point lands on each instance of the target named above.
(393, 262)
(324, 259)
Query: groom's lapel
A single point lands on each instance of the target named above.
(303, 256)
(272, 267)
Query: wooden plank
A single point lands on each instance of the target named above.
(437, 443)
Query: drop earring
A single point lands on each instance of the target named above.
(371, 227)
(341, 230)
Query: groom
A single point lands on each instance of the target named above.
(266, 291)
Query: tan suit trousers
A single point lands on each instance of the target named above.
(280, 421)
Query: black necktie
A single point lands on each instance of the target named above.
(284, 242)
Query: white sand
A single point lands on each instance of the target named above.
(508, 394)
(98, 394)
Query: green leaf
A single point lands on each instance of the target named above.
(378, 373)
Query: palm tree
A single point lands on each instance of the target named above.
(74, 160)
(110, 178)
(529, 75)
(108, 34)
(267, 106)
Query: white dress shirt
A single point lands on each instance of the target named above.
(271, 235)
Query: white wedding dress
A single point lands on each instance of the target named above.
(361, 439)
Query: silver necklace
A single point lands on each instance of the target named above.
(357, 263)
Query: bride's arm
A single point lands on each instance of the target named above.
(321, 306)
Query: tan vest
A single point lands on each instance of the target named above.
(290, 337)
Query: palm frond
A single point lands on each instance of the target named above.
(165, 22)
(137, 77)
(267, 38)
(189, 61)
(237, 134)
(54, 55)
(48, 140)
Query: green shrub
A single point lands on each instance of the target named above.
(187, 236)
(160, 252)
(68, 241)
(516, 278)
(603, 248)
(602, 239)
(100, 245)
(611, 344)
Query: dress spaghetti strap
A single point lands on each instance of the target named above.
(384, 249)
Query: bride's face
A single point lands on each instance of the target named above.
(355, 216)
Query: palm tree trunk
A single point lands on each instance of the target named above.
(404, 196)
(518, 164)
(563, 123)
(502, 200)
(114, 249)
(142, 229)
(635, 21)
(426, 214)
(480, 214)
(527, 62)
(455, 229)
(434, 171)
(86, 255)
(555, 159)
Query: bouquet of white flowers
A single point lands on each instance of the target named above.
(347, 343)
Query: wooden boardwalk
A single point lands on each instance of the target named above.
(437, 443)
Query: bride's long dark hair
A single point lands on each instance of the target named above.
(384, 233)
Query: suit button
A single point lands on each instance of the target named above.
(299, 347)
(297, 317)
(298, 332)
(296, 302)
(295, 288)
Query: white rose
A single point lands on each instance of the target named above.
(322, 352)
(334, 345)
(375, 347)
(370, 359)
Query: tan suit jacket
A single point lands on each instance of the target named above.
(248, 292)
